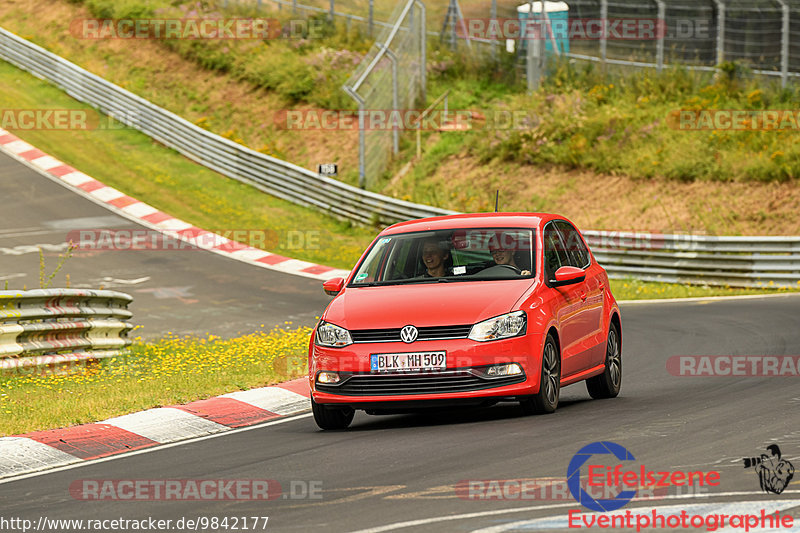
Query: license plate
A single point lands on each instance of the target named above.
(386, 362)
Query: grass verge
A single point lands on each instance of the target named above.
(634, 289)
(174, 370)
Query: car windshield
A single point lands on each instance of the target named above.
(478, 254)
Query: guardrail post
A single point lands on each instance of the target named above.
(662, 19)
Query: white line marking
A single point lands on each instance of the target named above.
(437, 519)
(152, 449)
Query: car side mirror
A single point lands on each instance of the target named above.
(333, 286)
(568, 275)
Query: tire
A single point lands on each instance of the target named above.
(546, 400)
(332, 417)
(607, 384)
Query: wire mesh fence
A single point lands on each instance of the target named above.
(391, 77)
(761, 35)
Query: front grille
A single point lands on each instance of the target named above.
(425, 334)
(416, 383)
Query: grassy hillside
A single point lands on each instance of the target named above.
(600, 148)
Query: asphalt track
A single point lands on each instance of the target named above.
(387, 471)
(182, 291)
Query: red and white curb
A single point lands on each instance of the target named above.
(42, 450)
(154, 219)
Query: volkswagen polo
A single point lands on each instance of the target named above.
(468, 309)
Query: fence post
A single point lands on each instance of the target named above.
(362, 179)
(662, 19)
(720, 31)
(423, 64)
(395, 105)
(604, 34)
(493, 15)
(294, 6)
(332, 10)
(784, 42)
(533, 53)
(371, 6)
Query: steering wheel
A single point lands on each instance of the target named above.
(512, 267)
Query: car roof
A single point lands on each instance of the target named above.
(472, 220)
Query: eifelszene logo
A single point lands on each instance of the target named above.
(774, 473)
(631, 480)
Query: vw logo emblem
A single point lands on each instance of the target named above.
(409, 334)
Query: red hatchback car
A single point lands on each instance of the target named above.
(466, 310)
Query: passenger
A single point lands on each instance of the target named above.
(436, 258)
(504, 252)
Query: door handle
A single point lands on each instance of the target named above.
(602, 286)
(583, 296)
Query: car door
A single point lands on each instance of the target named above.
(592, 339)
(566, 303)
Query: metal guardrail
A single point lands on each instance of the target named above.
(271, 175)
(699, 259)
(51, 326)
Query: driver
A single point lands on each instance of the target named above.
(503, 250)
(436, 258)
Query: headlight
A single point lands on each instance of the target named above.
(332, 335)
(500, 327)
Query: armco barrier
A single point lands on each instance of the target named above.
(699, 259)
(734, 261)
(50, 326)
(276, 177)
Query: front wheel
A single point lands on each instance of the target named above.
(546, 400)
(607, 384)
(329, 417)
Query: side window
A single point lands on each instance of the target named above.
(554, 254)
(575, 248)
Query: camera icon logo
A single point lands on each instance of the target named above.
(774, 473)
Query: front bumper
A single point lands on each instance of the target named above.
(463, 381)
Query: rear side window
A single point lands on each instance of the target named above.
(574, 246)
